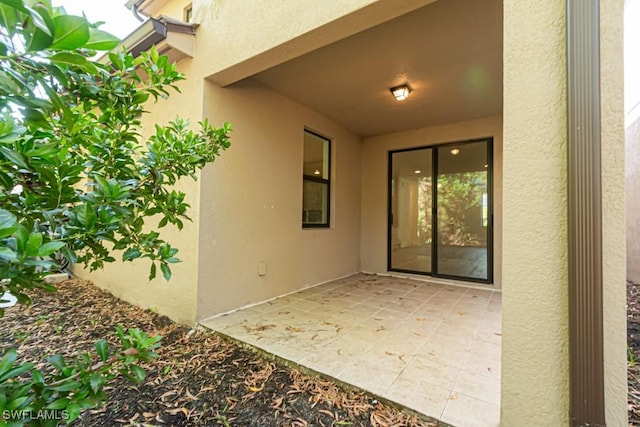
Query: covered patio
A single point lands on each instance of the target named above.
(430, 346)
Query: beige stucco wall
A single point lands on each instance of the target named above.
(534, 270)
(374, 178)
(251, 36)
(172, 8)
(129, 281)
(534, 304)
(633, 200)
(613, 210)
(252, 202)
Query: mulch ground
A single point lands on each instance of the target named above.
(199, 378)
(633, 339)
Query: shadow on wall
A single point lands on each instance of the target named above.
(633, 200)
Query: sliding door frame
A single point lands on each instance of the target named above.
(434, 210)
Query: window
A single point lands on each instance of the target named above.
(316, 184)
(188, 14)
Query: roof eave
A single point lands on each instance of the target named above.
(156, 31)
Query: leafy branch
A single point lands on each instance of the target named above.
(80, 180)
(71, 385)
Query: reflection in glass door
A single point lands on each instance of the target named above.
(456, 215)
(463, 210)
(411, 222)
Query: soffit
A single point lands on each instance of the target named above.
(171, 37)
(146, 7)
(450, 53)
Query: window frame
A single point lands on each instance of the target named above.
(319, 180)
(188, 13)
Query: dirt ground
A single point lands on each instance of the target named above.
(633, 339)
(199, 378)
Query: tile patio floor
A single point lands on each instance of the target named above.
(434, 348)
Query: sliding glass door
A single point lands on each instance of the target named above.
(440, 211)
(410, 217)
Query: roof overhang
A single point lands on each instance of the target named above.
(172, 37)
(146, 7)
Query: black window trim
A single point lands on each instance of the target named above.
(326, 181)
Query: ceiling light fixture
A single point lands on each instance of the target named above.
(455, 151)
(400, 93)
(316, 172)
(417, 171)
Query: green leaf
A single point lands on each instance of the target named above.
(86, 216)
(17, 403)
(6, 123)
(8, 17)
(37, 377)
(140, 97)
(101, 40)
(19, 370)
(48, 151)
(14, 157)
(22, 235)
(138, 373)
(152, 272)
(69, 385)
(16, 4)
(49, 248)
(166, 271)
(96, 382)
(39, 21)
(7, 219)
(74, 59)
(33, 244)
(7, 361)
(57, 361)
(73, 412)
(8, 253)
(38, 41)
(36, 116)
(42, 36)
(71, 32)
(131, 254)
(102, 348)
(58, 404)
(69, 58)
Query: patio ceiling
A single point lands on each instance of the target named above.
(450, 53)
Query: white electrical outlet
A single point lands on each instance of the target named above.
(262, 269)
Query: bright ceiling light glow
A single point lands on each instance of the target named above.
(417, 171)
(455, 151)
(400, 93)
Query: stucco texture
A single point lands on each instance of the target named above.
(252, 202)
(129, 281)
(613, 210)
(534, 272)
(251, 36)
(632, 158)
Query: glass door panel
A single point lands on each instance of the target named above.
(410, 230)
(463, 211)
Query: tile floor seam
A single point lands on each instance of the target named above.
(351, 305)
